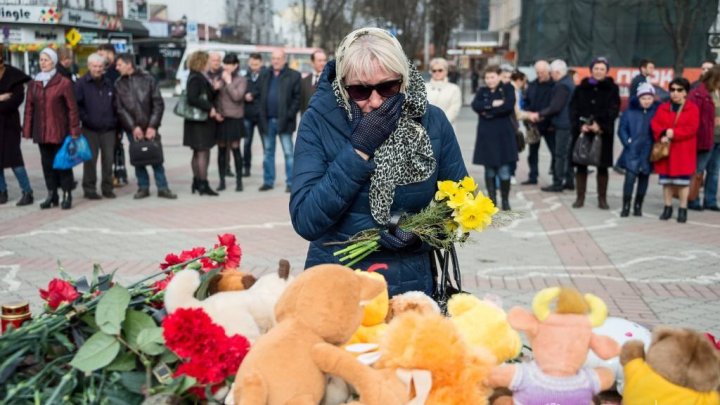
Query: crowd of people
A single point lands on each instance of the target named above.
(682, 125)
(116, 97)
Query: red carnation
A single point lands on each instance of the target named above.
(59, 291)
(233, 253)
(161, 285)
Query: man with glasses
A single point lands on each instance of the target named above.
(279, 106)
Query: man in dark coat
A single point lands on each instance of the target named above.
(140, 109)
(308, 84)
(279, 105)
(107, 51)
(537, 98)
(252, 108)
(12, 93)
(558, 113)
(647, 68)
(94, 94)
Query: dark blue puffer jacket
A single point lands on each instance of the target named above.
(637, 138)
(331, 182)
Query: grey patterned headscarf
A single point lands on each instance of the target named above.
(406, 157)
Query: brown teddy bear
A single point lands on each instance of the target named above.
(317, 313)
(681, 367)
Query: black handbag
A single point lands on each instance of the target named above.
(146, 152)
(587, 150)
(445, 284)
(119, 170)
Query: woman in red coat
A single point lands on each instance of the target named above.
(51, 113)
(676, 122)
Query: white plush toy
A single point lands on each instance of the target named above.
(249, 312)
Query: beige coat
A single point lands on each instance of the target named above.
(445, 95)
(230, 101)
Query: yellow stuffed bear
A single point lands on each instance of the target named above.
(483, 324)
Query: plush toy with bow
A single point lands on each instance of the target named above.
(561, 339)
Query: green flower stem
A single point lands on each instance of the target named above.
(358, 251)
(64, 380)
(364, 255)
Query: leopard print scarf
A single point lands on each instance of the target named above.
(406, 157)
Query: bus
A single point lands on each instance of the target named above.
(298, 58)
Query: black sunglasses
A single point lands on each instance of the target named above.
(437, 70)
(360, 92)
(677, 90)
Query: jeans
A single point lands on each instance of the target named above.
(711, 178)
(642, 184)
(143, 178)
(20, 175)
(563, 168)
(503, 172)
(104, 143)
(533, 158)
(269, 158)
(250, 125)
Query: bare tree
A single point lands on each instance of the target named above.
(679, 23)
(405, 16)
(324, 21)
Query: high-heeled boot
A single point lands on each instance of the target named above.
(667, 213)
(637, 207)
(626, 206)
(237, 158)
(52, 200)
(580, 188)
(602, 186)
(222, 167)
(491, 189)
(505, 194)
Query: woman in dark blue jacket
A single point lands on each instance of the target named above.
(637, 139)
(495, 145)
(370, 147)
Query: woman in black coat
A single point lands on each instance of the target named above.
(12, 92)
(200, 135)
(495, 144)
(594, 107)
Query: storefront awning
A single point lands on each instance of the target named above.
(135, 27)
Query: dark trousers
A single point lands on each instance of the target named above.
(101, 143)
(642, 184)
(533, 158)
(250, 125)
(562, 171)
(54, 178)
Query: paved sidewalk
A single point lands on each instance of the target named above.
(647, 270)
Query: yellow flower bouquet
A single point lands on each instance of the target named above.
(457, 209)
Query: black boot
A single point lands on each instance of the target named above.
(3, 197)
(237, 158)
(52, 200)
(194, 186)
(637, 208)
(26, 199)
(491, 189)
(204, 188)
(682, 215)
(626, 206)
(222, 167)
(667, 213)
(66, 203)
(505, 194)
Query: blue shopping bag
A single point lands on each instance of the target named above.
(72, 153)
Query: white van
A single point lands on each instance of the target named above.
(298, 58)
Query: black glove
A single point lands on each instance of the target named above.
(375, 127)
(398, 239)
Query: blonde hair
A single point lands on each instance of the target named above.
(363, 49)
(439, 61)
(197, 61)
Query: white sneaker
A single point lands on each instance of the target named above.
(513, 181)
